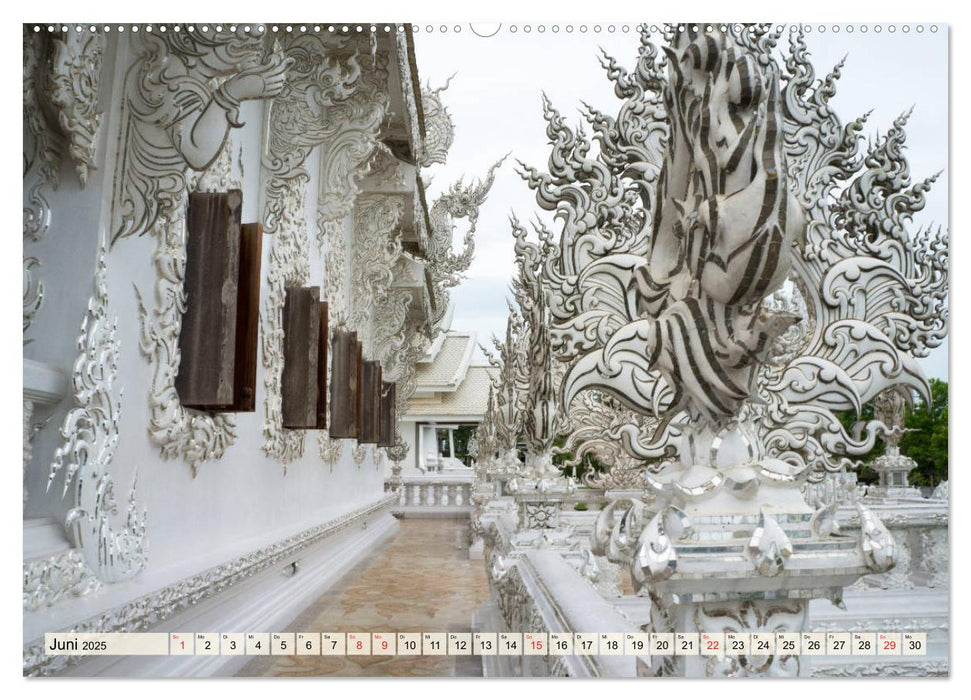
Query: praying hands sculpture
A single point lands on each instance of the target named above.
(183, 94)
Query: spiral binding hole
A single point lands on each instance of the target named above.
(568, 28)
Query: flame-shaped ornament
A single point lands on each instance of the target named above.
(656, 557)
(769, 546)
(875, 541)
(499, 569)
(824, 523)
(600, 536)
(590, 570)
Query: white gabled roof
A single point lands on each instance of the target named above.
(447, 370)
(467, 402)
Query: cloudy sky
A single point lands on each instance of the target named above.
(495, 102)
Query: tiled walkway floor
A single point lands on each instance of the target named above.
(422, 581)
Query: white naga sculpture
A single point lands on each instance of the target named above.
(733, 267)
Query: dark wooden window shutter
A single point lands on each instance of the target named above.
(344, 384)
(248, 317)
(371, 403)
(359, 397)
(322, 368)
(388, 409)
(301, 339)
(220, 327)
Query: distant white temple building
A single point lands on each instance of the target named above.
(452, 391)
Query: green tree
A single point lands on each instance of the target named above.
(460, 439)
(586, 464)
(925, 441)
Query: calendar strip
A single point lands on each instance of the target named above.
(488, 644)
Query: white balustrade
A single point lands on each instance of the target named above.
(435, 493)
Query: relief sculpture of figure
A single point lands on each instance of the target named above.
(183, 94)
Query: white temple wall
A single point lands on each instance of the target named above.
(407, 429)
(236, 504)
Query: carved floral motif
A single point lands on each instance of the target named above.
(289, 267)
(748, 617)
(377, 246)
(33, 292)
(62, 74)
(195, 436)
(47, 581)
(113, 548)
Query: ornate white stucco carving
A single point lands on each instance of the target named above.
(359, 454)
(540, 409)
(880, 552)
(62, 77)
(42, 156)
(403, 362)
(511, 385)
(335, 100)
(113, 544)
(486, 445)
(45, 152)
(925, 669)
(49, 580)
(195, 436)
(28, 448)
(33, 293)
(335, 293)
(345, 156)
(390, 331)
(182, 96)
(458, 202)
(408, 89)
(289, 266)
(376, 248)
(62, 74)
(696, 340)
(330, 450)
(386, 172)
(439, 127)
(75, 64)
(935, 555)
(335, 283)
(594, 425)
(751, 617)
(893, 467)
